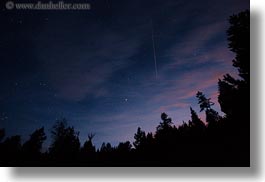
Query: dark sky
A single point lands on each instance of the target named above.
(97, 69)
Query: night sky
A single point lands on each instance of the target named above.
(97, 68)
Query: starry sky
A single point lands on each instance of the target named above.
(97, 67)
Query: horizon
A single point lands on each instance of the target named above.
(108, 70)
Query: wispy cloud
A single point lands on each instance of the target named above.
(76, 76)
(195, 47)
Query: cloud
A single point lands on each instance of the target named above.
(195, 47)
(196, 62)
(87, 71)
(173, 106)
(203, 50)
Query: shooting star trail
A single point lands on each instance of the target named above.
(154, 48)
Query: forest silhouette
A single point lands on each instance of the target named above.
(220, 141)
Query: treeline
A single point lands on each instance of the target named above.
(219, 141)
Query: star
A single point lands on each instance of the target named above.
(43, 84)
(3, 117)
(126, 100)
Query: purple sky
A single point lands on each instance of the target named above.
(96, 68)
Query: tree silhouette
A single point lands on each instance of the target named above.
(164, 136)
(166, 124)
(234, 91)
(89, 148)
(239, 42)
(212, 116)
(34, 145)
(13, 144)
(234, 94)
(205, 104)
(149, 142)
(228, 93)
(196, 121)
(223, 141)
(2, 134)
(140, 139)
(65, 145)
(106, 148)
(124, 147)
(11, 150)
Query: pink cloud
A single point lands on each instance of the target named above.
(179, 93)
(189, 83)
(173, 106)
(194, 41)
